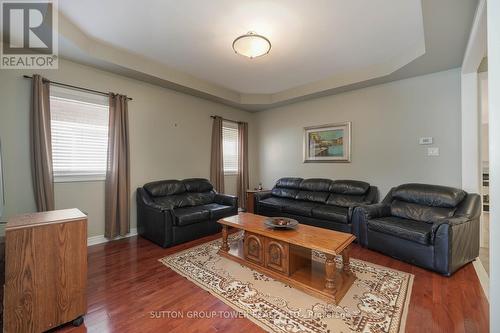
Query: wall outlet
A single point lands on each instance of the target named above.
(425, 140)
(433, 151)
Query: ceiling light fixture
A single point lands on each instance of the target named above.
(251, 45)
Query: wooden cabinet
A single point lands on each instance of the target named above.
(45, 270)
(276, 255)
(267, 252)
(254, 248)
(250, 198)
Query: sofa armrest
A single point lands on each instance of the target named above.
(452, 221)
(225, 199)
(372, 196)
(456, 242)
(364, 213)
(373, 211)
(262, 195)
(143, 198)
(154, 222)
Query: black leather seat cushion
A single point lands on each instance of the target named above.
(302, 208)
(276, 203)
(331, 213)
(415, 231)
(218, 211)
(189, 215)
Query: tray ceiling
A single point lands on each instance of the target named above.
(317, 46)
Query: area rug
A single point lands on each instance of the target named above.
(376, 302)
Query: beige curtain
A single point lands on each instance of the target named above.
(242, 180)
(41, 145)
(118, 169)
(217, 158)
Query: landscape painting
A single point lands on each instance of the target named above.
(328, 143)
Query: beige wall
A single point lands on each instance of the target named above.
(387, 121)
(169, 138)
(170, 134)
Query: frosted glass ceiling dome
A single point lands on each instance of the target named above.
(252, 45)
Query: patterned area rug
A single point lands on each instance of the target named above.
(376, 302)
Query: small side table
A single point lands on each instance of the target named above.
(251, 199)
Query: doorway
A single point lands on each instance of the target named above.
(485, 172)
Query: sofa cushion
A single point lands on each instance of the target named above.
(284, 192)
(303, 208)
(189, 215)
(316, 184)
(312, 196)
(350, 187)
(197, 185)
(429, 195)
(331, 213)
(411, 230)
(421, 213)
(218, 211)
(289, 182)
(185, 200)
(173, 201)
(165, 187)
(345, 200)
(275, 203)
(196, 199)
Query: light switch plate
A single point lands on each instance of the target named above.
(425, 140)
(433, 151)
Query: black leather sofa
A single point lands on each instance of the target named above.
(435, 227)
(318, 202)
(171, 212)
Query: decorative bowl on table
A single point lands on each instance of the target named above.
(281, 223)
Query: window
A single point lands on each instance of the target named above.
(230, 147)
(79, 125)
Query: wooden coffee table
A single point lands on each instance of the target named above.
(285, 255)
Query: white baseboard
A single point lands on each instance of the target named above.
(483, 277)
(94, 240)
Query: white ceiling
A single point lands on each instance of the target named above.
(312, 40)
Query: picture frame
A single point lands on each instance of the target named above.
(329, 143)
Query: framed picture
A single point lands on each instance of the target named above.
(328, 143)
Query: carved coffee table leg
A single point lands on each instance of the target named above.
(331, 274)
(225, 245)
(346, 264)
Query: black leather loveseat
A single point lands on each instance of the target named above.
(171, 212)
(435, 227)
(318, 202)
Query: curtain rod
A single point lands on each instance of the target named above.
(74, 87)
(232, 121)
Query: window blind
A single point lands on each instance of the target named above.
(79, 124)
(230, 147)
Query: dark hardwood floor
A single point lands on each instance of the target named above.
(127, 282)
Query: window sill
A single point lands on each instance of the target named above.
(76, 178)
(230, 174)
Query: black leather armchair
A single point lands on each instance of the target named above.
(318, 202)
(435, 227)
(171, 212)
